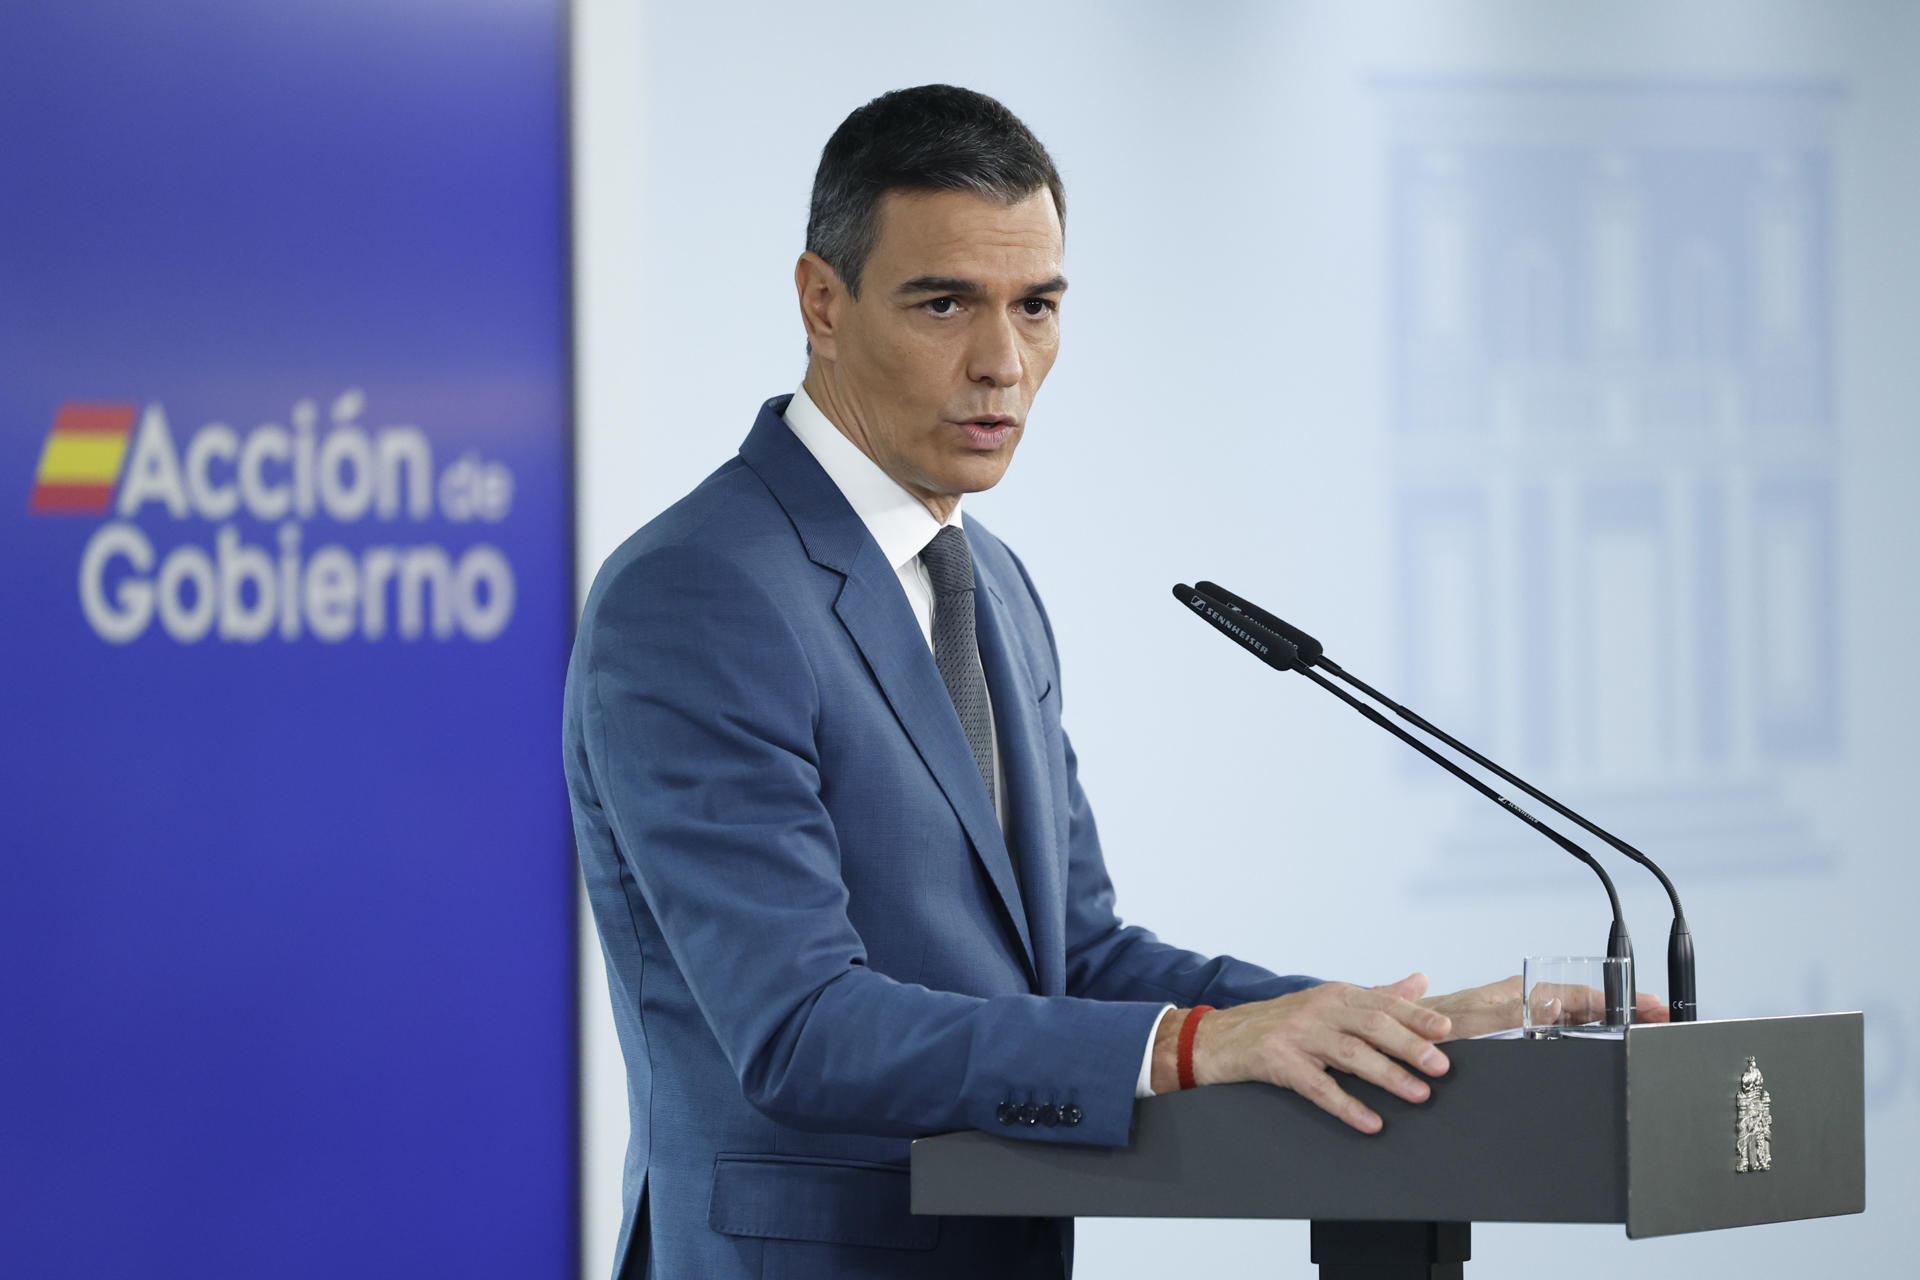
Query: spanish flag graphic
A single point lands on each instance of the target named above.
(82, 458)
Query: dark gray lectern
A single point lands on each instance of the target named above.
(1648, 1130)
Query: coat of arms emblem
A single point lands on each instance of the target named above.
(1753, 1123)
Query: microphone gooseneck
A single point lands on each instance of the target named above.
(1682, 1000)
(1286, 652)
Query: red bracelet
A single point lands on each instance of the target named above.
(1185, 1055)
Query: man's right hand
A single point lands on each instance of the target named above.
(1297, 1041)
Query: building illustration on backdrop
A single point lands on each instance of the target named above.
(1612, 454)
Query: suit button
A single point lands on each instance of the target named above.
(1006, 1113)
(1070, 1115)
(1029, 1115)
(1049, 1115)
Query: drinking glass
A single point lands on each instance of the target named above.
(1567, 994)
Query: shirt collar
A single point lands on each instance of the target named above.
(899, 522)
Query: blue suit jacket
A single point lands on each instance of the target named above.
(816, 941)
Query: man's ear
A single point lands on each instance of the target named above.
(823, 299)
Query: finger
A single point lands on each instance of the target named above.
(1317, 1087)
(1428, 1022)
(1582, 1004)
(1648, 1007)
(1381, 1031)
(1500, 1008)
(1358, 1058)
(1411, 987)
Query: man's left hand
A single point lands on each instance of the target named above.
(1478, 1011)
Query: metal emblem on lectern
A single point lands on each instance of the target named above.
(1753, 1123)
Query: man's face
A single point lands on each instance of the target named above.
(932, 370)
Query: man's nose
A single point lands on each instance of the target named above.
(994, 355)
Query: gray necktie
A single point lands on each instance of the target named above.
(956, 651)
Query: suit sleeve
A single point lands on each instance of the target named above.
(698, 706)
(1110, 960)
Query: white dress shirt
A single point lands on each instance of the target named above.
(902, 527)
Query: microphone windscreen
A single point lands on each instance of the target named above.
(1274, 650)
(1309, 648)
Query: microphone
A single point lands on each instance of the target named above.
(1250, 634)
(1681, 995)
(1311, 650)
(1246, 628)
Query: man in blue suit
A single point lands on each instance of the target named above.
(847, 884)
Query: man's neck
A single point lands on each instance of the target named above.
(819, 388)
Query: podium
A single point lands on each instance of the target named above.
(1645, 1130)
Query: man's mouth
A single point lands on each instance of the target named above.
(989, 431)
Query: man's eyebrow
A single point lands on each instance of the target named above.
(971, 288)
(940, 284)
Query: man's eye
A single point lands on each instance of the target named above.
(944, 306)
(1037, 307)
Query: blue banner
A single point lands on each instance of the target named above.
(286, 898)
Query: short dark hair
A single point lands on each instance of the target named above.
(932, 138)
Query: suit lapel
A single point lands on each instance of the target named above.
(1017, 723)
(878, 618)
(876, 615)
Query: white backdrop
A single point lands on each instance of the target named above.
(1551, 363)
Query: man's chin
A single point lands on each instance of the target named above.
(978, 471)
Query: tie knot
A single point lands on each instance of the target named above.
(949, 561)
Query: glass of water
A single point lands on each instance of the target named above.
(1568, 994)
